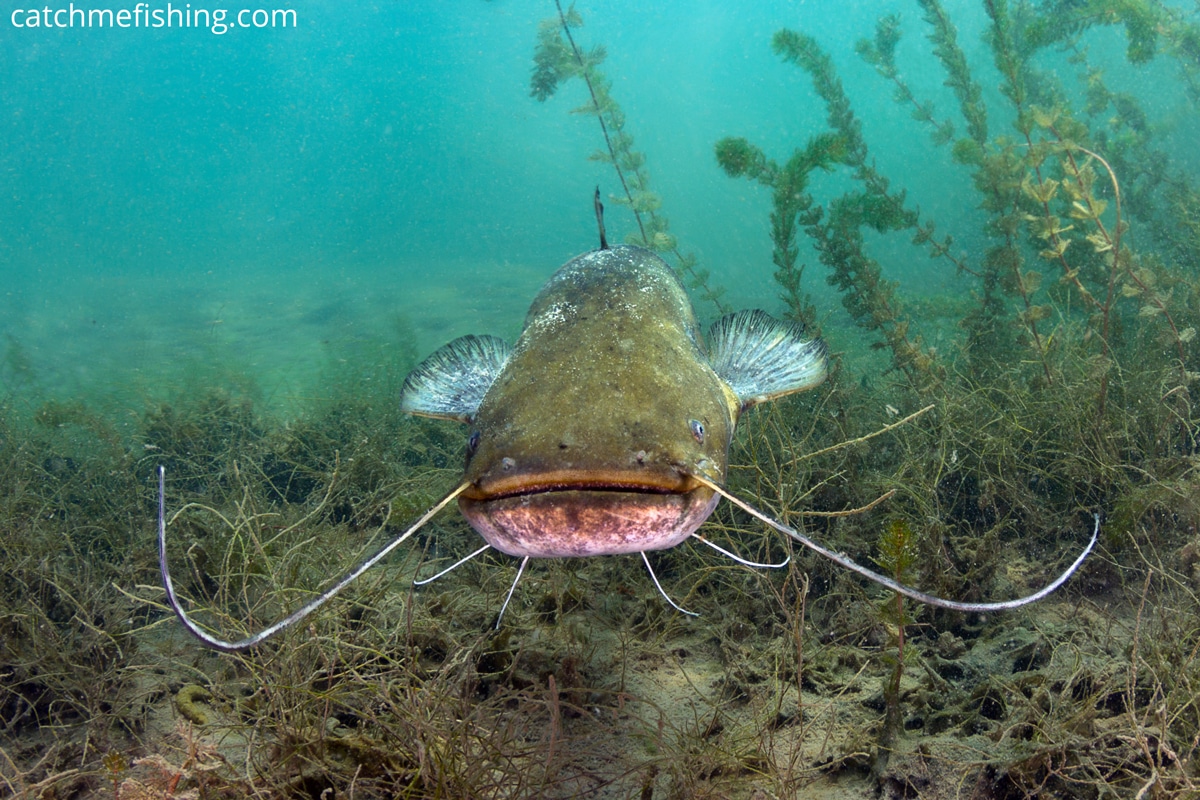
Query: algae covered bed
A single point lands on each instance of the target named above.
(223, 251)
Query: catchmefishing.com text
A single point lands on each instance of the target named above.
(144, 15)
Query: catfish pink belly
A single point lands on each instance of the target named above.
(588, 522)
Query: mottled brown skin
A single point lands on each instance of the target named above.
(589, 437)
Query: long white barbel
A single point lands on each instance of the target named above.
(907, 591)
(297, 615)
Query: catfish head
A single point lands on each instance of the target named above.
(602, 430)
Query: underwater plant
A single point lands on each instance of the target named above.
(790, 205)
(836, 231)
(897, 553)
(557, 59)
(1071, 382)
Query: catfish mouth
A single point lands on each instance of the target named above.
(558, 518)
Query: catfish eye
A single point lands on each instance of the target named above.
(473, 442)
(697, 430)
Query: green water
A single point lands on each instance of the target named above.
(265, 201)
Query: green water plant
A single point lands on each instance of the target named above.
(557, 58)
(1150, 26)
(791, 206)
(1040, 192)
(897, 553)
(1156, 192)
(880, 52)
(836, 230)
(1070, 384)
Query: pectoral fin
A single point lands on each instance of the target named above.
(451, 383)
(762, 358)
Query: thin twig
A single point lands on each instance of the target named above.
(861, 439)
(850, 511)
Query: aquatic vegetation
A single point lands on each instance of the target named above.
(1060, 382)
(1079, 344)
(791, 203)
(403, 692)
(836, 232)
(557, 59)
(897, 552)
